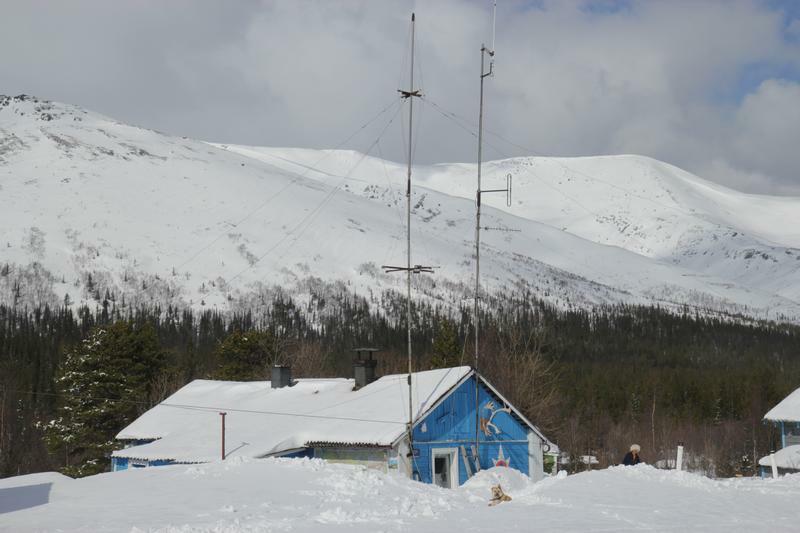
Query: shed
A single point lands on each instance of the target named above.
(332, 420)
(786, 417)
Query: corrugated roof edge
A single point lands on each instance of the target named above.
(334, 444)
(795, 419)
(157, 458)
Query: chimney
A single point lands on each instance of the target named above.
(281, 376)
(364, 367)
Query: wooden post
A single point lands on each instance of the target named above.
(773, 465)
(223, 434)
(679, 458)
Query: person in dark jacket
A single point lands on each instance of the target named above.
(632, 457)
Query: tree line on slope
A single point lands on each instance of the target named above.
(594, 381)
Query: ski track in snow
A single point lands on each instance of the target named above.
(167, 220)
(303, 495)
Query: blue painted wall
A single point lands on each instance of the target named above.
(306, 452)
(124, 463)
(119, 463)
(452, 424)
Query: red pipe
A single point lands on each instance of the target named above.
(223, 434)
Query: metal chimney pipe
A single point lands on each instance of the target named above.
(223, 434)
(281, 376)
(364, 369)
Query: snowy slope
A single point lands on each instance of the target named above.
(303, 495)
(154, 218)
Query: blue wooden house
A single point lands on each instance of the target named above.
(343, 420)
(786, 417)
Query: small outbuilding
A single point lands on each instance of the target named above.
(786, 416)
(336, 420)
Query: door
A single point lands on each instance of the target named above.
(535, 457)
(444, 466)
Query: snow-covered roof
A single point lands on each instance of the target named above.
(788, 410)
(262, 421)
(788, 458)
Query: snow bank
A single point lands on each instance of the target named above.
(788, 458)
(23, 492)
(303, 495)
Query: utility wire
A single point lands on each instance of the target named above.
(297, 178)
(320, 206)
(278, 413)
(456, 118)
(457, 121)
(314, 214)
(191, 407)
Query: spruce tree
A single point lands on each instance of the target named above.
(446, 348)
(245, 356)
(103, 386)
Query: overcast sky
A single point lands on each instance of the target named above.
(713, 87)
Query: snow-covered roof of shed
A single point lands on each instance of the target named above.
(788, 458)
(788, 410)
(263, 421)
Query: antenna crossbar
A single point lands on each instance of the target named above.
(489, 228)
(416, 269)
(408, 94)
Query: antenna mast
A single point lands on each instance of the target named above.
(476, 311)
(410, 94)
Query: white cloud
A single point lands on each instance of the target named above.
(767, 128)
(661, 78)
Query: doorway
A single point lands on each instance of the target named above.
(444, 467)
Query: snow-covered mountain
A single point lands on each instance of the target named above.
(88, 204)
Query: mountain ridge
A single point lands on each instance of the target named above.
(174, 221)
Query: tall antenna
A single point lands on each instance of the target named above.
(478, 192)
(494, 24)
(410, 94)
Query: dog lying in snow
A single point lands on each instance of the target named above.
(498, 496)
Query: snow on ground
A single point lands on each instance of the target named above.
(304, 495)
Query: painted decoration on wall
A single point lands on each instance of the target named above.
(501, 459)
(487, 426)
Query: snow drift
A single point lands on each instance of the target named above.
(312, 495)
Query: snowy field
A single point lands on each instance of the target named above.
(311, 495)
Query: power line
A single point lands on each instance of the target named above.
(55, 394)
(298, 177)
(311, 215)
(456, 118)
(315, 213)
(191, 407)
(278, 413)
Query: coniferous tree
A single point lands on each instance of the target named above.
(446, 346)
(245, 356)
(102, 387)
